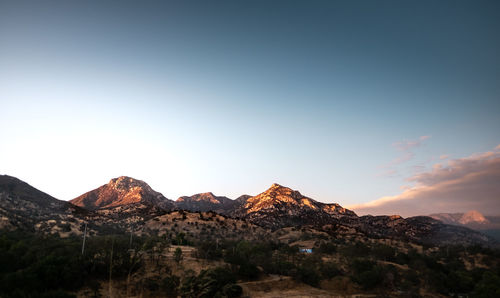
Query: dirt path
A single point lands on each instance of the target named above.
(276, 286)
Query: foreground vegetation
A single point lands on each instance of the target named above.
(49, 266)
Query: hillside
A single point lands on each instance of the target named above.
(27, 208)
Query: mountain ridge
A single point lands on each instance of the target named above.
(274, 209)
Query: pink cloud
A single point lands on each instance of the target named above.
(462, 185)
(405, 147)
(409, 144)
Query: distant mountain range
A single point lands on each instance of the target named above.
(473, 219)
(126, 204)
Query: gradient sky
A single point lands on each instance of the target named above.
(342, 100)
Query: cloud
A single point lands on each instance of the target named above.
(389, 173)
(462, 185)
(444, 156)
(405, 148)
(407, 145)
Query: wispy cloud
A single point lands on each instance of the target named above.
(406, 145)
(461, 185)
(405, 149)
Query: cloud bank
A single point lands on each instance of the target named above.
(461, 185)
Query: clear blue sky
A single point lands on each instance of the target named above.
(232, 96)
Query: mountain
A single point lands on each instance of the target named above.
(281, 206)
(241, 200)
(209, 202)
(127, 205)
(205, 202)
(25, 207)
(473, 219)
(122, 191)
(419, 229)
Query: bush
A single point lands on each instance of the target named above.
(308, 275)
(169, 285)
(489, 286)
(248, 271)
(218, 282)
(329, 270)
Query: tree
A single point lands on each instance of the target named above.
(489, 286)
(178, 255)
(217, 282)
(170, 284)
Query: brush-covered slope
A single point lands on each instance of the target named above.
(25, 207)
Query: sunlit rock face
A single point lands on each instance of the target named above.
(122, 191)
(281, 206)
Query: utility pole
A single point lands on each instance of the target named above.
(130, 245)
(84, 235)
(111, 268)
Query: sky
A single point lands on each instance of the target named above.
(368, 104)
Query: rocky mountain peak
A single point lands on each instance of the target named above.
(276, 185)
(206, 196)
(122, 191)
(281, 206)
(203, 197)
(284, 198)
(279, 192)
(124, 183)
(206, 201)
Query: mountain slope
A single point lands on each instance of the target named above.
(122, 191)
(420, 229)
(23, 206)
